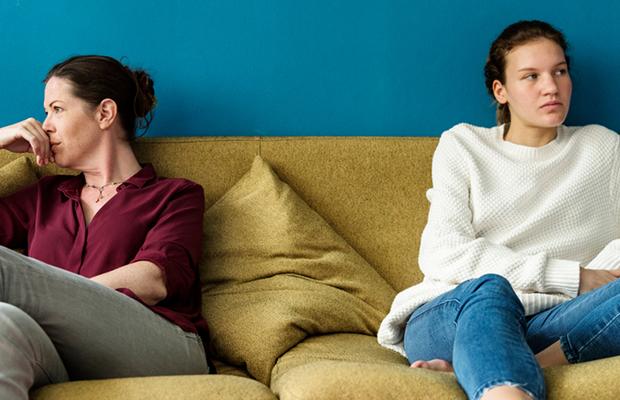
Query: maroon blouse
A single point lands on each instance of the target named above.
(150, 219)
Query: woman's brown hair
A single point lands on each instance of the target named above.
(95, 78)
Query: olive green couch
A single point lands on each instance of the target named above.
(300, 265)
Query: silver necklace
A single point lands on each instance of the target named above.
(100, 189)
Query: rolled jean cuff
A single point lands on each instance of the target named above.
(569, 352)
(496, 383)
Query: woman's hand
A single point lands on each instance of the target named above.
(27, 136)
(590, 279)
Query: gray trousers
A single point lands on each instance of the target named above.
(57, 326)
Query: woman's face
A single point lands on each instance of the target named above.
(70, 124)
(537, 87)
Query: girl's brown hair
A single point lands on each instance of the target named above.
(515, 35)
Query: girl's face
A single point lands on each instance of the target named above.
(537, 85)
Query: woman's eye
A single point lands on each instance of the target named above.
(561, 72)
(531, 77)
(57, 109)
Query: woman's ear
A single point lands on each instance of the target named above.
(499, 91)
(106, 113)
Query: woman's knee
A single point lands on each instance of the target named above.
(15, 324)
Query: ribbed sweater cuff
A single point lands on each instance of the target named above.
(562, 276)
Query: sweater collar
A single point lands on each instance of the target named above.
(533, 153)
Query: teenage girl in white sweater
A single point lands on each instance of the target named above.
(519, 252)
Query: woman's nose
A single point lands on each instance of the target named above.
(47, 126)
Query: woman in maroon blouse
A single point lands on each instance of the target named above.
(109, 286)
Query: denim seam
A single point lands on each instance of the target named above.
(593, 338)
(568, 349)
(414, 318)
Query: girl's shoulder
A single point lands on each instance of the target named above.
(592, 129)
(593, 134)
(464, 132)
(471, 138)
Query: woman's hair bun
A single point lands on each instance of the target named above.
(145, 93)
(96, 77)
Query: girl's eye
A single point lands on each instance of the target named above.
(531, 77)
(57, 109)
(561, 71)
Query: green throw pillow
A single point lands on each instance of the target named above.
(274, 272)
(16, 175)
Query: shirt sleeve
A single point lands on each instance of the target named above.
(174, 243)
(16, 213)
(614, 182)
(451, 251)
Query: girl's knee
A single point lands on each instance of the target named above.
(493, 282)
(496, 287)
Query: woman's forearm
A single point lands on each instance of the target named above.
(144, 278)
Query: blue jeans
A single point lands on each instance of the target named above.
(480, 327)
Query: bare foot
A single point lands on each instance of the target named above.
(434, 365)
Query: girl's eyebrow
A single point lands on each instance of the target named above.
(535, 69)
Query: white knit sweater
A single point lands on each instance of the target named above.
(530, 214)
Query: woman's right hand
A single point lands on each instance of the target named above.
(590, 279)
(27, 136)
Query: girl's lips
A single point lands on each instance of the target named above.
(551, 104)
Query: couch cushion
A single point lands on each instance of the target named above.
(350, 347)
(186, 387)
(353, 366)
(590, 380)
(364, 381)
(275, 272)
(15, 175)
(328, 364)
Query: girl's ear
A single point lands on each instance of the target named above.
(499, 91)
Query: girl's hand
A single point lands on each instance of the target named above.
(590, 279)
(27, 136)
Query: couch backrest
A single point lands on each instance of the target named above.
(370, 189)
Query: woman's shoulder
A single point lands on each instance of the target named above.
(178, 185)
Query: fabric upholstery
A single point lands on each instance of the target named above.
(327, 380)
(15, 175)
(194, 387)
(372, 192)
(348, 347)
(276, 273)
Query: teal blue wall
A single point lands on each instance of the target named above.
(305, 67)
